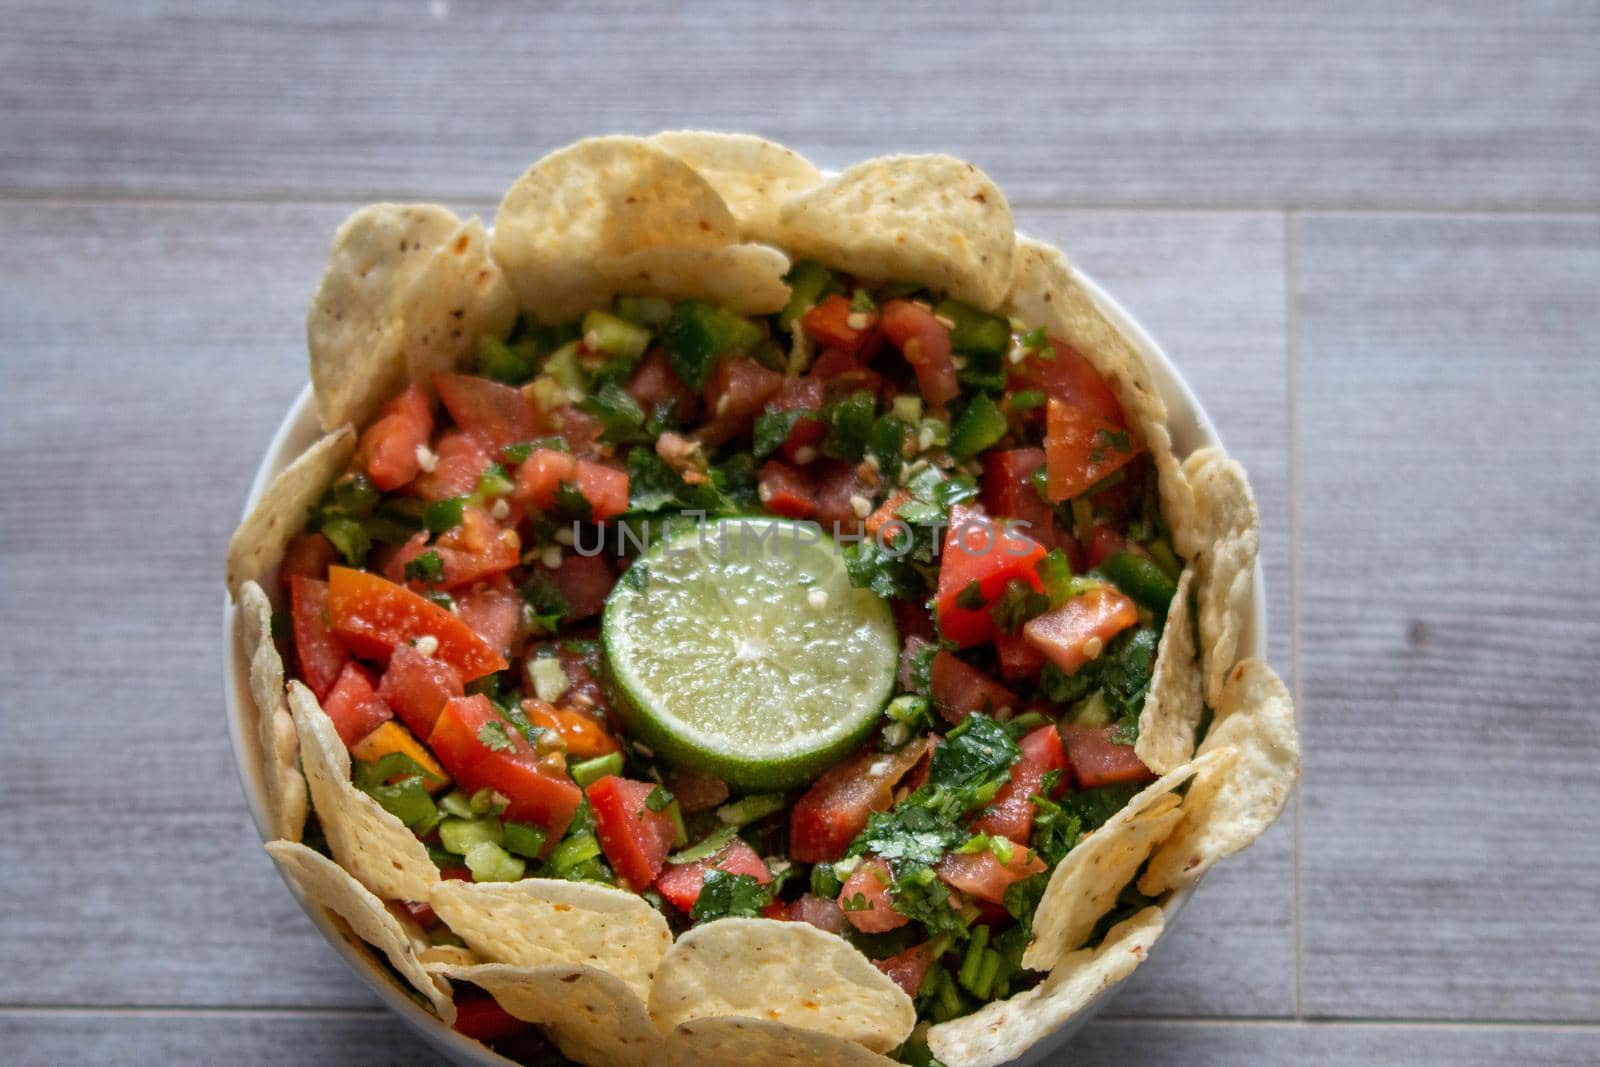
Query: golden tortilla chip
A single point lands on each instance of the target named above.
(368, 841)
(355, 328)
(592, 1017)
(930, 219)
(1232, 803)
(1085, 885)
(582, 208)
(459, 296)
(1228, 536)
(327, 885)
(257, 545)
(1004, 1029)
(448, 956)
(787, 972)
(280, 774)
(743, 278)
(1176, 701)
(735, 1041)
(753, 176)
(542, 921)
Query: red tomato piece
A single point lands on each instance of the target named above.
(308, 555)
(959, 689)
(1065, 375)
(838, 485)
(1011, 812)
(481, 749)
(981, 875)
(834, 810)
(681, 883)
(461, 461)
(820, 912)
(389, 446)
(480, 1017)
(1081, 449)
(977, 549)
(908, 968)
(829, 324)
(1008, 492)
(925, 342)
(474, 550)
(835, 363)
(1078, 630)
(636, 840)
(1104, 543)
(585, 582)
(1097, 761)
(786, 491)
(418, 687)
(354, 705)
(735, 394)
(801, 394)
(541, 474)
(1019, 660)
(494, 612)
(498, 415)
(373, 616)
(322, 655)
(865, 899)
(655, 383)
(913, 620)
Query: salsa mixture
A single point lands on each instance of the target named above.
(893, 732)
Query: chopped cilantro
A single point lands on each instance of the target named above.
(493, 736)
(547, 603)
(658, 799)
(773, 429)
(620, 415)
(571, 503)
(725, 894)
(850, 425)
(1016, 604)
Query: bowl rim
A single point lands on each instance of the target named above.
(1191, 428)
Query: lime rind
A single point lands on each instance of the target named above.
(741, 649)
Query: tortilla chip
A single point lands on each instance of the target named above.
(753, 176)
(327, 885)
(584, 207)
(286, 789)
(448, 956)
(930, 219)
(459, 296)
(787, 972)
(542, 921)
(355, 329)
(1004, 1029)
(368, 841)
(592, 1017)
(1046, 292)
(727, 1042)
(1085, 885)
(747, 279)
(1232, 803)
(1176, 702)
(257, 545)
(1228, 536)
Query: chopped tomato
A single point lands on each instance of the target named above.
(839, 484)
(908, 968)
(913, 620)
(1096, 760)
(308, 555)
(1008, 492)
(820, 912)
(460, 461)
(476, 549)
(834, 810)
(681, 883)
(498, 415)
(391, 737)
(1011, 812)
(1019, 660)
(354, 705)
(655, 383)
(835, 363)
(422, 913)
(581, 665)
(1078, 630)
(925, 342)
(865, 899)
(322, 655)
(886, 512)
(919, 774)
(801, 394)
(373, 616)
(959, 689)
(735, 394)
(480, 1017)
(636, 840)
(584, 735)
(540, 477)
(481, 750)
(494, 612)
(1104, 543)
(581, 430)
(389, 446)
(1065, 375)
(974, 553)
(1081, 449)
(982, 875)
(417, 687)
(829, 325)
(786, 491)
(585, 582)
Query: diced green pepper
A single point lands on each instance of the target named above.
(698, 334)
(973, 331)
(972, 962)
(592, 770)
(575, 850)
(457, 803)
(1161, 551)
(748, 809)
(525, 839)
(444, 515)
(512, 364)
(709, 846)
(355, 495)
(348, 536)
(1141, 579)
(562, 366)
(808, 281)
(604, 332)
(651, 312)
(980, 425)
(493, 483)
(488, 862)
(823, 881)
(458, 835)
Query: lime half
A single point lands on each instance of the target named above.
(741, 649)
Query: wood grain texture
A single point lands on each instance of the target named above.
(1451, 543)
(1367, 103)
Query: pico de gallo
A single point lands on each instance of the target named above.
(445, 597)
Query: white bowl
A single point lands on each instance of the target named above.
(1190, 427)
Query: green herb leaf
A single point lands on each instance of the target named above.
(725, 894)
(493, 735)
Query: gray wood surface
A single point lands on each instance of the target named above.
(1409, 373)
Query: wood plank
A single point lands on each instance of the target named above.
(1356, 104)
(1451, 544)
